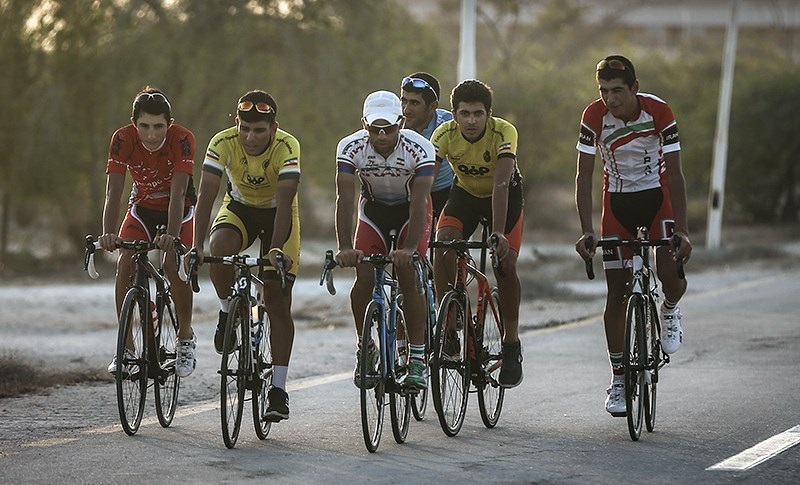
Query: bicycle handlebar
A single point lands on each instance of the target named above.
(675, 241)
(375, 259)
(139, 246)
(236, 259)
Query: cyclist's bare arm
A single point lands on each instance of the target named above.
(583, 202)
(209, 187)
(287, 190)
(503, 170)
(345, 203)
(177, 197)
(115, 183)
(677, 191)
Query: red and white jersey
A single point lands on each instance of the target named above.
(632, 152)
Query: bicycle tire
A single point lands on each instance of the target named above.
(490, 393)
(634, 364)
(372, 398)
(232, 369)
(653, 343)
(131, 375)
(419, 401)
(262, 379)
(450, 375)
(167, 383)
(399, 403)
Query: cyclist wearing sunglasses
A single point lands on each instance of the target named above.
(420, 99)
(395, 167)
(159, 155)
(262, 165)
(637, 137)
(482, 149)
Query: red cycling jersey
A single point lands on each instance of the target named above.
(152, 171)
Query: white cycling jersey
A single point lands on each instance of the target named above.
(386, 180)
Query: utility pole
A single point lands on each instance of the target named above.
(716, 195)
(466, 56)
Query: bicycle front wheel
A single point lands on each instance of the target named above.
(167, 382)
(131, 376)
(400, 402)
(654, 362)
(490, 395)
(371, 383)
(635, 362)
(233, 371)
(450, 368)
(262, 366)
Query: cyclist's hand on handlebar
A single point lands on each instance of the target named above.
(193, 257)
(502, 245)
(109, 241)
(580, 246)
(402, 258)
(349, 257)
(165, 242)
(684, 249)
(273, 259)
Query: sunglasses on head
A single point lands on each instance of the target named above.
(263, 108)
(157, 97)
(383, 129)
(615, 64)
(419, 84)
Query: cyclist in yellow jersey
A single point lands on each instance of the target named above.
(262, 164)
(482, 152)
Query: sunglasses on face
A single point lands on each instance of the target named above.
(419, 84)
(157, 97)
(383, 129)
(615, 64)
(262, 108)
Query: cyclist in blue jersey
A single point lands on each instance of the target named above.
(419, 96)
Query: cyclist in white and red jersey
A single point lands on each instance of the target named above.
(637, 137)
(395, 167)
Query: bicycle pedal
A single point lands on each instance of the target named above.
(619, 415)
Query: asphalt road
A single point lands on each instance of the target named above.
(733, 385)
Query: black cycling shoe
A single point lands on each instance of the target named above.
(511, 371)
(219, 335)
(278, 408)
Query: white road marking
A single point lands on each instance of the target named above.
(761, 452)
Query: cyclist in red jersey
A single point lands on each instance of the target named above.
(637, 137)
(159, 155)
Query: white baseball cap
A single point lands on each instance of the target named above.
(382, 105)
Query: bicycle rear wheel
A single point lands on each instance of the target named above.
(490, 395)
(262, 364)
(371, 383)
(400, 405)
(654, 362)
(634, 362)
(450, 370)
(131, 376)
(233, 370)
(167, 382)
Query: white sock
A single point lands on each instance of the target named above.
(279, 375)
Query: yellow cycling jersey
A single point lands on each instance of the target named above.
(253, 180)
(474, 162)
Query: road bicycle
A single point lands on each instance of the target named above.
(383, 318)
(146, 339)
(468, 342)
(643, 357)
(246, 363)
